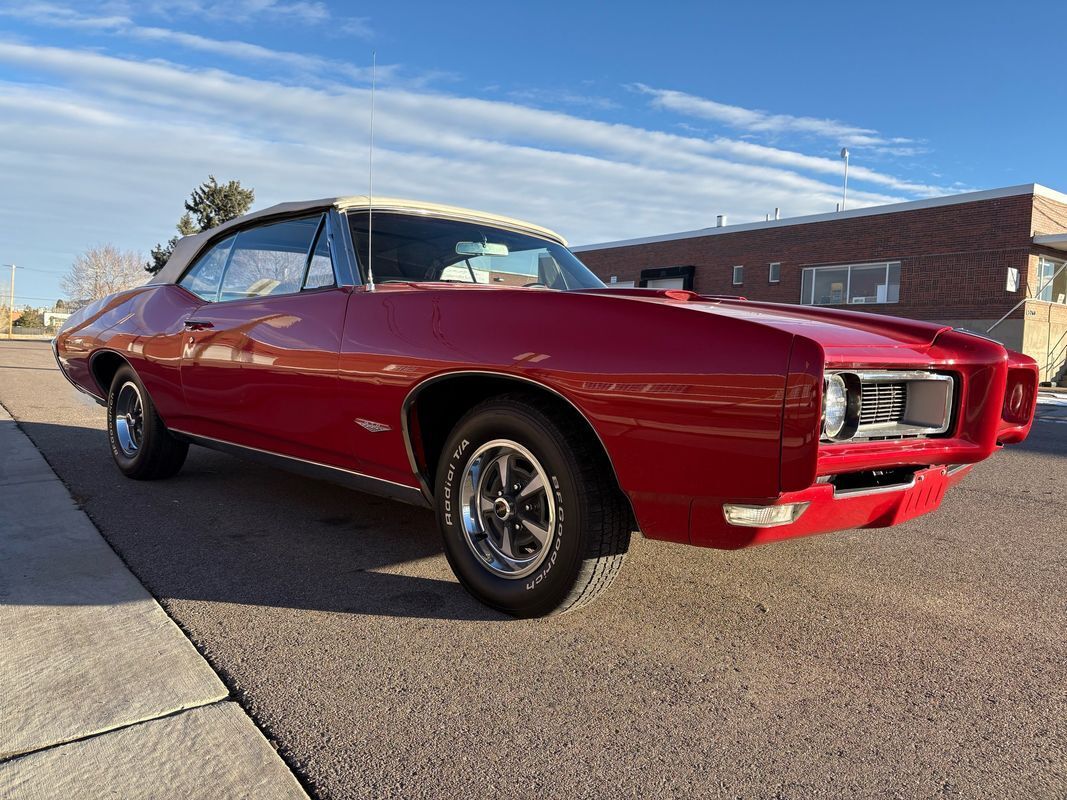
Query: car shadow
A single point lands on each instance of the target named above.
(232, 531)
(1048, 436)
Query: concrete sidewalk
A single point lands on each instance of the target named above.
(1051, 406)
(101, 694)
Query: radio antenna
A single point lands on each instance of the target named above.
(370, 173)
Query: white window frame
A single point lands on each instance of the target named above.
(1056, 265)
(846, 301)
(770, 272)
(739, 274)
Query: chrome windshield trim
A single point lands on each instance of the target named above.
(515, 226)
(347, 265)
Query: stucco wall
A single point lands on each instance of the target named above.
(1009, 333)
(1045, 336)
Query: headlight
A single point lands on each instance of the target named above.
(834, 406)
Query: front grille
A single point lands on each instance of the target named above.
(896, 404)
(882, 402)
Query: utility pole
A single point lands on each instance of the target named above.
(11, 302)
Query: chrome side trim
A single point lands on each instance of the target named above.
(312, 469)
(405, 416)
(955, 469)
(848, 494)
(55, 354)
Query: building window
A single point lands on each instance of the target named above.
(739, 276)
(774, 274)
(1050, 285)
(851, 284)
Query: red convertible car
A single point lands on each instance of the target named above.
(480, 369)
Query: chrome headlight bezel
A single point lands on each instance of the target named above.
(840, 407)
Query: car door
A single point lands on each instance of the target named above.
(259, 357)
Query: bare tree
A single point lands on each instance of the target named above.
(102, 270)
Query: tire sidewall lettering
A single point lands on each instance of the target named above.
(558, 540)
(111, 436)
(111, 420)
(450, 475)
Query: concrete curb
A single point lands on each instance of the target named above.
(87, 650)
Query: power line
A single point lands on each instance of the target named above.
(45, 271)
(3, 297)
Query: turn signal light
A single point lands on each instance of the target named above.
(763, 516)
(1019, 397)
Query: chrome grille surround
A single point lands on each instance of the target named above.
(898, 404)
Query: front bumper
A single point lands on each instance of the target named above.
(830, 510)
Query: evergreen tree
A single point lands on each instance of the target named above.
(210, 204)
(31, 318)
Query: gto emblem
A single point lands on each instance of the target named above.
(372, 426)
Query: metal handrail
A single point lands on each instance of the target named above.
(1054, 356)
(1015, 307)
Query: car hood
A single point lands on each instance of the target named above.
(830, 327)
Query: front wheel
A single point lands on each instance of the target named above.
(141, 445)
(532, 519)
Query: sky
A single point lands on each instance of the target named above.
(600, 120)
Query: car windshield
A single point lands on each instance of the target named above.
(408, 248)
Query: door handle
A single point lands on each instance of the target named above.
(198, 324)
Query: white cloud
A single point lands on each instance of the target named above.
(763, 122)
(59, 15)
(123, 142)
(748, 151)
(122, 25)
(303, 13)
(562, 97)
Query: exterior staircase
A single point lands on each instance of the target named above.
(1058, 356)
(1060, 379)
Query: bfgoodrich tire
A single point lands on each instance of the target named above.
(140, 443)
(532, 518)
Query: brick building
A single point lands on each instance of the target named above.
(965, 260)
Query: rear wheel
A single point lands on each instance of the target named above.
(140, 443)
(532, 519)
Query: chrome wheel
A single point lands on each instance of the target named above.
(129, 419)
(508, 509)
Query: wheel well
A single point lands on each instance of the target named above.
(433, 411)
(103, 367)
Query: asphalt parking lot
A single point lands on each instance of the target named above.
(928, 660)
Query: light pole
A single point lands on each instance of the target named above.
(844, 188)
(11, 302)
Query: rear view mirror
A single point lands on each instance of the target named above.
(481, 249)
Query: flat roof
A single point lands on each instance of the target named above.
(1056, 241)
(867, 211)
